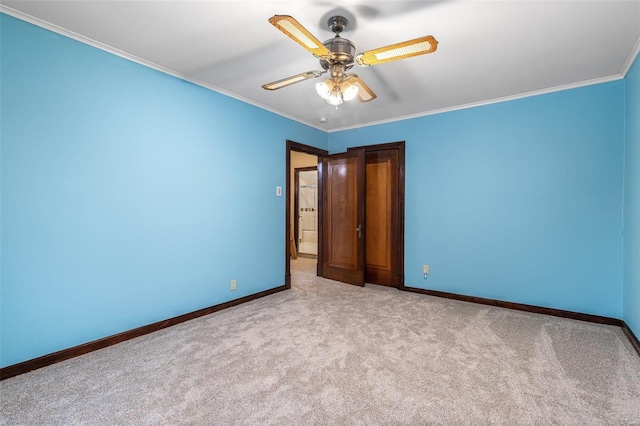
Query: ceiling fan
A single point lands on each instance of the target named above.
(338, 55)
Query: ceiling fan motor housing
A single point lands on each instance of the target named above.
(342, 51)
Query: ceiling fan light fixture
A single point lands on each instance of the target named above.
(335, 97)
(336, 93)
(349, 91)
(324, 88)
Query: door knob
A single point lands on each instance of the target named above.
(359, 229)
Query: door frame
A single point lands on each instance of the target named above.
(319, 153)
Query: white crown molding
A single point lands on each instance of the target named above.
(632, 57)
(86, 40)
(487, 102)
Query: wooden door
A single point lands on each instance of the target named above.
(382, 217)
(343, 183)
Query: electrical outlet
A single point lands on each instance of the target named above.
(233, 284)
(425, 270)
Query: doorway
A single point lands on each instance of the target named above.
(305, 225)
(299, 156)
(360, 228)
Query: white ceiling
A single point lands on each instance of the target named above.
(488, 50)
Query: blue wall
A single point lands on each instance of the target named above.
(518, 201)
(632, 200)
(128, 196)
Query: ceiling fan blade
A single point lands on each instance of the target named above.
(365, 94)
(394, 52)
(291, 80)
(299, 34)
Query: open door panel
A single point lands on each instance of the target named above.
(343, 181)
(382, 222)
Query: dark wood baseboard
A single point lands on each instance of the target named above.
(517, 306)
(632, 337)
(287, 281)
(534, 309)
(65, 354)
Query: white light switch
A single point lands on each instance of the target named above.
(279, 191)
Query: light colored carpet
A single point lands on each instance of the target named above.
(331, 353)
